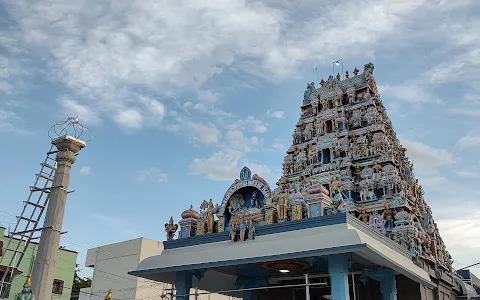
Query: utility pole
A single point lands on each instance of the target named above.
(68, 145)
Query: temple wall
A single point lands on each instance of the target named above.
(426, 293)
(407, 289)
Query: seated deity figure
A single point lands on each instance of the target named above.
(236, 202)
(26, 293)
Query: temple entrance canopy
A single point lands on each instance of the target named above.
(244, 201)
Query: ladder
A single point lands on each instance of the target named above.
(27, 222)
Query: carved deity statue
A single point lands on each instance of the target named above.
(211, 216)
(171, 229)
(233, 232)
(26, 293)
(255, 199)
(251, 231)
(308, 93)
(388, 218)
(282, 207)
(243, 228)
(364, 216)
(312, 154)
(236, 202)
(319, 126)
(109, 295)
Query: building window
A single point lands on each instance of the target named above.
(6, 291)
(330, 104)
(57, 287)
(1, 248)
(326, 156)
(329, 126)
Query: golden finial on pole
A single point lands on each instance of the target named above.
(28, 281)
(109, 295)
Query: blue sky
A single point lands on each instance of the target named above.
(180, 95)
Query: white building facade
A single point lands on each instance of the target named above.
(111, 264)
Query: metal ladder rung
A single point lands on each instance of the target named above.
(34, 204)
(50, 178)
(27, 219)
(48, 166)
(52, 152)
(36, 189)
(20, 234)
(12, 250)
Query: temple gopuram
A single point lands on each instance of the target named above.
(348, 219)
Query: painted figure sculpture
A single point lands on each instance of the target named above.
(26, 293)
(171, 229)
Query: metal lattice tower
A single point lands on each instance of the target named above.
(27, 223)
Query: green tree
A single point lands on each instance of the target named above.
(79, 283)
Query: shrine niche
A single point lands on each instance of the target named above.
(244, 202)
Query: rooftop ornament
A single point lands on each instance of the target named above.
(71, 127)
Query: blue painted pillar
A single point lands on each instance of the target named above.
(386, 278)
(338, 266)
(183, 284)
(388, 285)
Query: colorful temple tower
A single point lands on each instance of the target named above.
(345, 141)
(347, 221)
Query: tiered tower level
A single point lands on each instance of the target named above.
(345, 158)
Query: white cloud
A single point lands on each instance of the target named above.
(129, 118)
(187, 104)
(260, 129)
(275, 114)
(432, 181)
(426, 160)
(155, 107)
(207, 96)
(85, 170)
(84, 113)
(173, 113)
(208, 133)
(151, 174)
(9, 122)
(413, 92)
(469, 141)
(213, 111)
(280, 147)
(461, 235)
(250, 123)
(109, 55)
(226, 165)
(426, 156)
(237, 140)
(468, 174)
